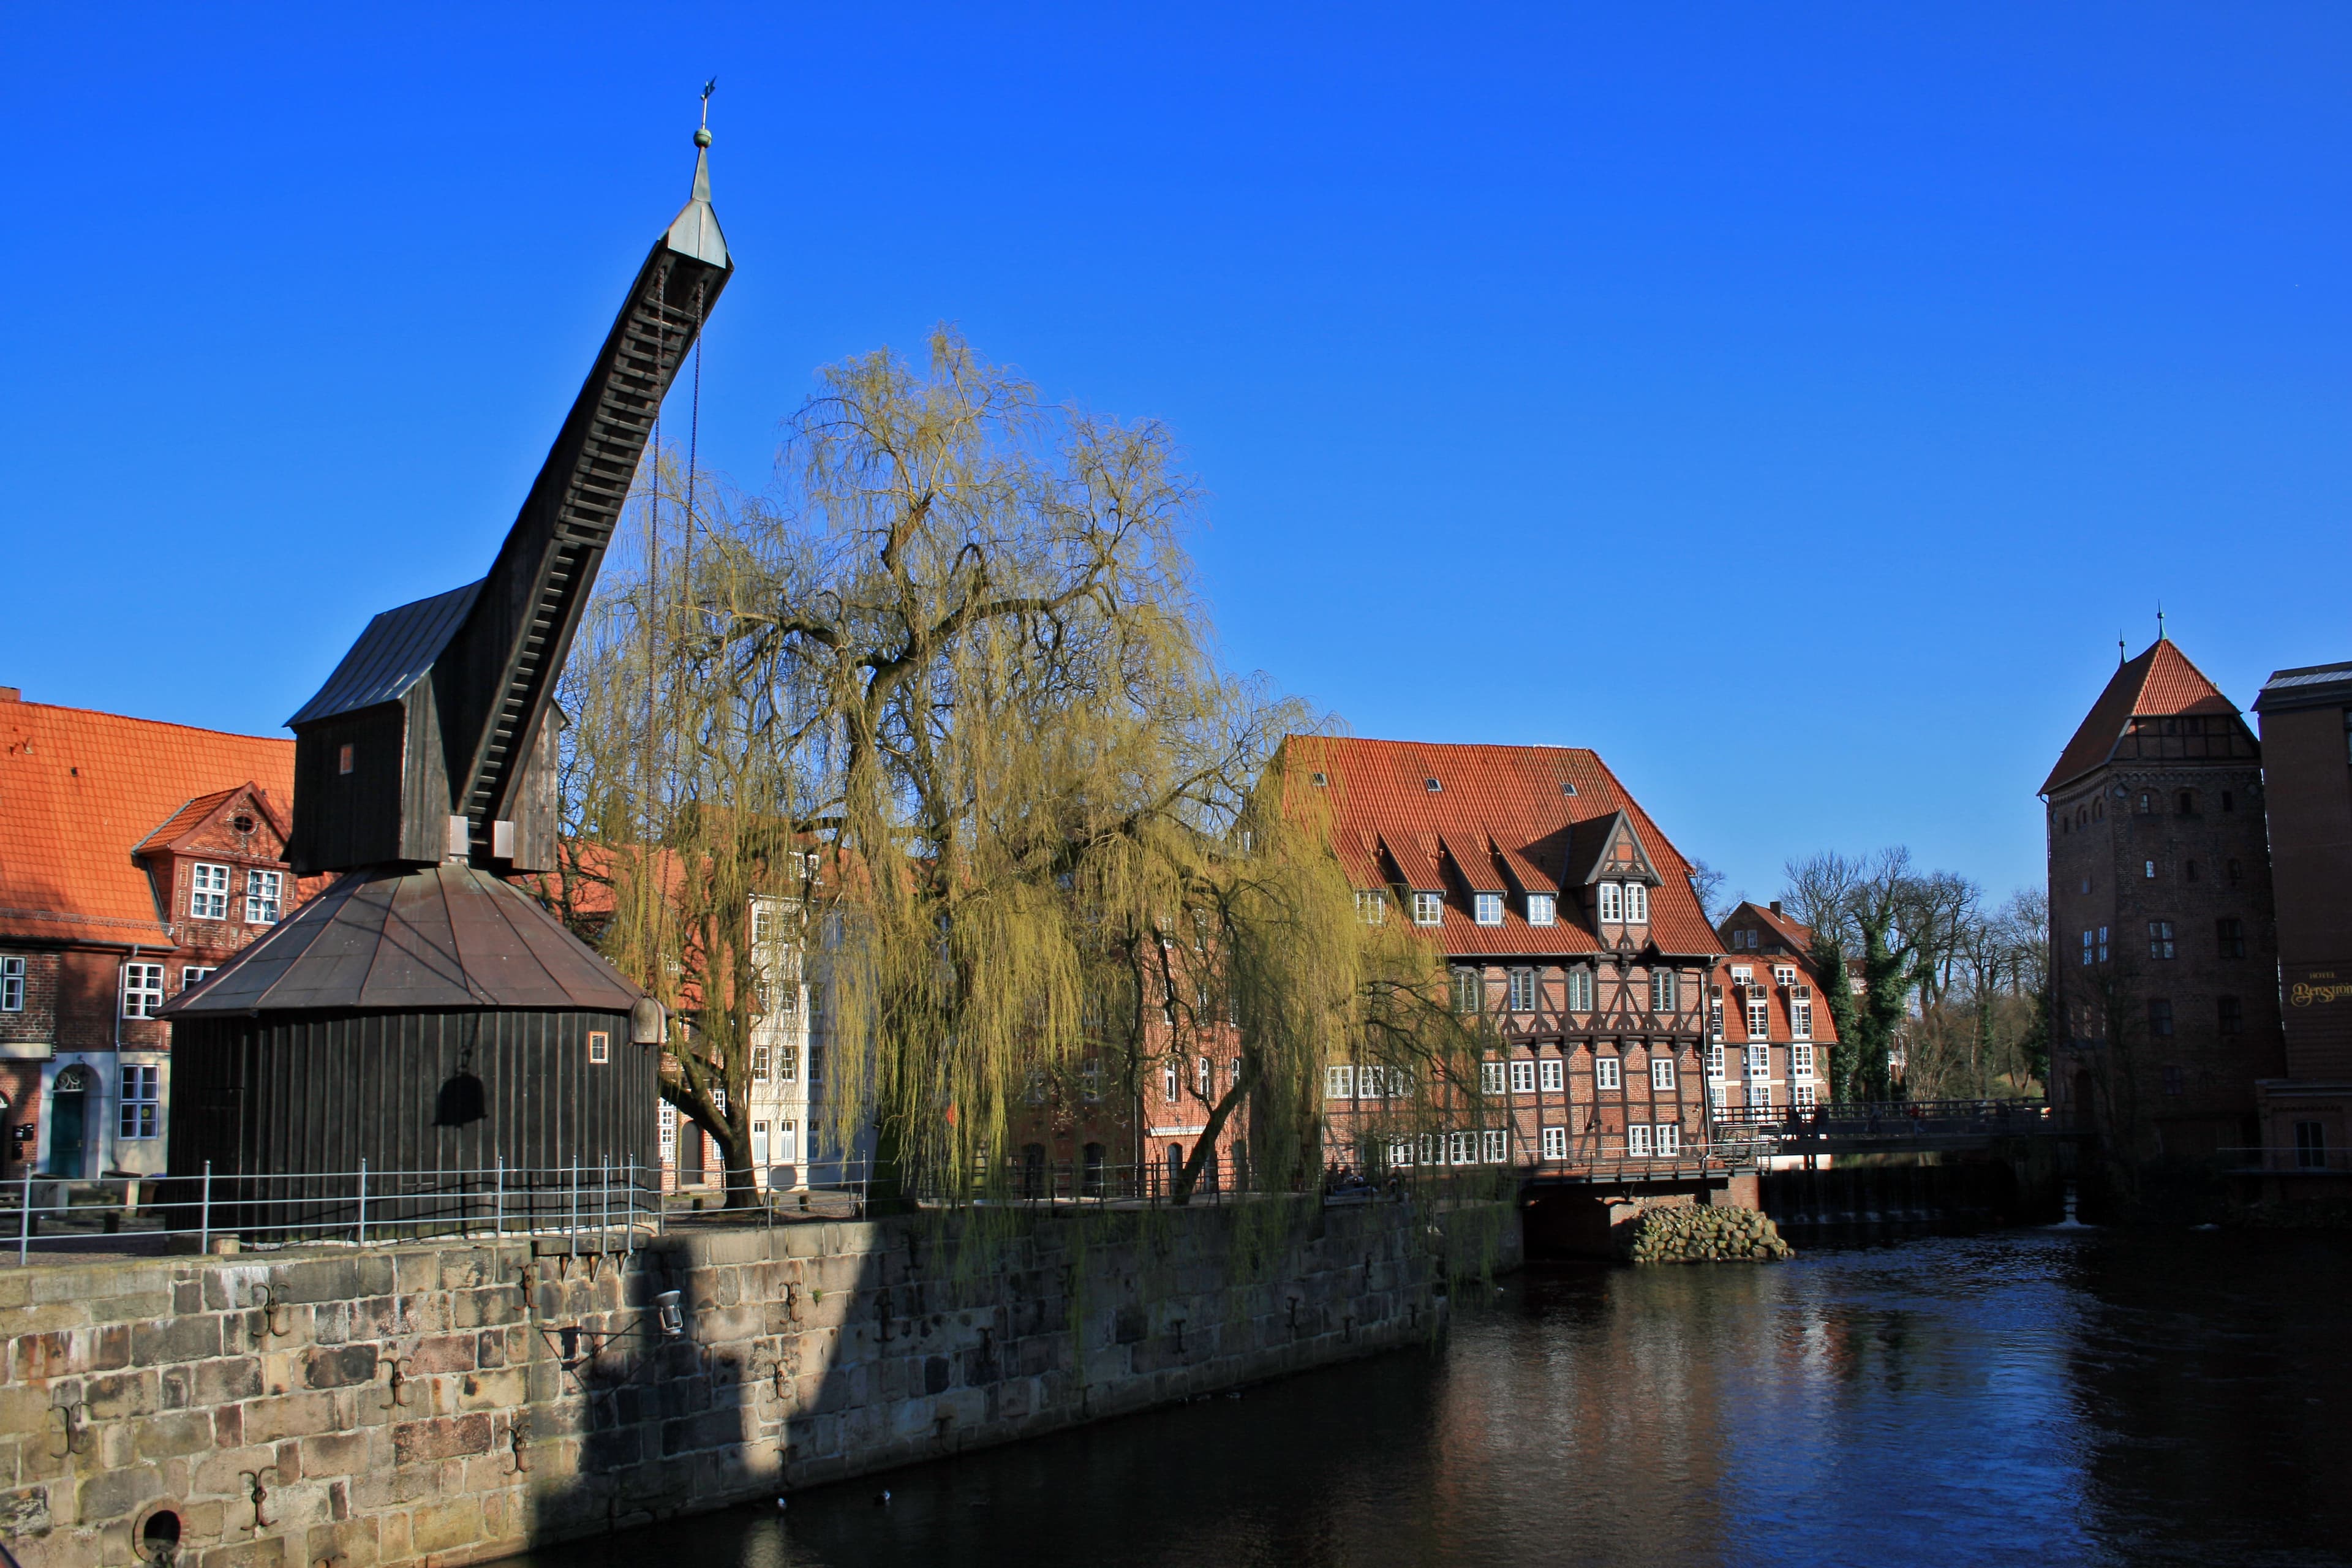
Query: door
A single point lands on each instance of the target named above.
(68, 1122)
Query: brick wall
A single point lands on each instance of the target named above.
(447, 1404)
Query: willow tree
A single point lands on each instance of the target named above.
(961, 641)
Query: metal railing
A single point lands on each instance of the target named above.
(2280, 1162)
(1866, 1118)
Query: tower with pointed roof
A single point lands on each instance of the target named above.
(2163, 950)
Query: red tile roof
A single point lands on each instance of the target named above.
(1510, 801)
(1761, 965)
(2159, 684)
(80, 791)
(1794, 933)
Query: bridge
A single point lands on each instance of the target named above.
(1886, 1126)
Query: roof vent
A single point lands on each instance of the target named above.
(1567, 788)
(1431, 785)
(1319, 780)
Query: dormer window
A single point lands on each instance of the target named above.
(264, 895)
(1372, 906)
(207, 892)
(1543, 909)
(1637, 903)
(1320, 780)
(1613, 903)
(1428, 909)
(1784, 974)
(1431, 785)
(1488, 908)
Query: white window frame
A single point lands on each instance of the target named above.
(1784, 974)
(1800, 1059)
(667, 1123)
(1555, 1142)
(1491, 1077)
(12, 984)
(1760, 1096)
(1339, 1082)
(1662, 1072)
(138, 1114)
(1462, 1147)
(1428, 909)
(143, 990)
(1613, 903)
(1637, 1140)
(1523, 1074)
(1759, 1018)
(1802, 1094)
(1549, 1077)
(1371, 906)
(759, 1148)
(1580, 991)
(1090, 1079)
(1493, 1146)
(1400, 1152)
(1487, 909)
(788, 1141)
(1543, 909)
(1759, 1061)
(1714, 1059)
(1637, 903)
(195, 974)
(761, 1058)
(1665, 992)
(600, 1047)
(1523, 991)
(265, 897)
(207, 892)
(1668, 1136)
(1608, 1072)
(1800, 1019)
(1170, 1082)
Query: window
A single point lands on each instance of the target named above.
(1662, 1072)
(2311, 1145)
(1463, 1148)
(1715, 1013)
(763, 924)
(1665, 991)
(1759, 1018)
(1339, 1083)
(1714, 1059)
(2103, 944)
(1523, 1075)
(759, 1059)
(1400, 1152)
(1168, 1086)
(141, 1107)
(12, 984)
(2229, 935)
(758, 1146)
(343, 758)
(1760, 1096)
(1090, 1079)
(1487, 909)
(1490, 1077)
(1637, 903)
(2229, 1016)
(2159, 1015)
(1669, 1139)
(2173, 1080)
(1605, 1072)
(788, 1136)
(2146, 802)
(1523, 990)
(1580, 991)
(788, 1063)
(1803, 1095)
(1800, 1019)
(1428, 909)
(1204, 1076)
(207, 892)
(1549, 1076)
(1612, 903)
(2187, 803)
(2160, 939)
(1760, 1061)
(1372, 907)
(1784, 974)
(1741, 974)
(263, 891)
(2150, 874)
(1432, 787)
(1543, 909)
(143, 990)
(600, 1051)
(1469, 991)
(1495, 1146)
(1800, 1060)
(2087, 948)
(1555, 1142)
(1637, 1140)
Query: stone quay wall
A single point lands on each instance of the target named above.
(453, 1403)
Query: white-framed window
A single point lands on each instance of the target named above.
(196, 975)
(1371, 907)
(788, 1063)
(1802, 1094)
(1523, 1074)
(1784, 974)
(1549, 1076)
(668, 1124)
(1490, 1077)
(1760, 1061)
(600, 1047)
(788, 1138)
(1662, 1072)
(1463, 1148)
(1488, 908)
(12, 984)
(1469, 991)
(1637, 1140)
(1543, 909)
(141, 1107)
(1800, 1018)
(1665, 991)
(1204, 1077)
(143, 990)
(207, 892)
(1605, 1072)
(1495, 1146)
(763, 924)
(1090, 1079)
(1339, 1082)
(1715, 1014)
(1718, 1096)
(1167, 1084)
(758, 1146)
(760, 1064)
(1637, 903)
(1428, 909)
(1612, 903)
(1523, 990)
(1759, 1018)
(1669, 1139)
(1400, 1152)
(1714, 1059)
(264, 897)
(1579, 990)
(1800, 1059)
(1741, 974)
(1760, 1096)
(1555, 1142)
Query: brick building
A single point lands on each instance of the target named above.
(1567, 918)
(2307, 1112)
(1769, 1032)
(2163, 951)
(135, 857)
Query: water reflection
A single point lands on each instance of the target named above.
(2026, 1397)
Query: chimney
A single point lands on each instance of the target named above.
(11, 694)
(1776, 906)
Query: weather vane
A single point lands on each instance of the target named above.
(702, 131)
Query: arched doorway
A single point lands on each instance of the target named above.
(69, 1122)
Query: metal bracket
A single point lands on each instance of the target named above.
(396, 1383)
(260, 1495)
(270, 1307)
(519, 1433)
(78, 1434)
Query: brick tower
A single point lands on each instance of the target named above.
(2164, 953)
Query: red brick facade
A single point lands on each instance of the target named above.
(1769, 1032)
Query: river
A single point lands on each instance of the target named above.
(2026, 1397)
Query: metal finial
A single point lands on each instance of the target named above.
(2120, 659)
(702, 131)
(2159, 620)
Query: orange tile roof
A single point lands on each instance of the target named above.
(2159, 684)
(1783, 1026)
(1512, 797)
(80, 791)
(1794, 932)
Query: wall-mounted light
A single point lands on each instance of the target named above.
(668, 1313)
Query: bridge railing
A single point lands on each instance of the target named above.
(1863, 1120)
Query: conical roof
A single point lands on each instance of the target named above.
(2161, 683)
(436, 937)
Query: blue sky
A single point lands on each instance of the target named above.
(1793, 403)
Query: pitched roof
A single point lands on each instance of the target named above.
(1784, 1020)
(1794, 933)
(1530, 803)
(2161, 683)
(201, 809)
(80, 791)
(2312, 686)
(395, 652)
